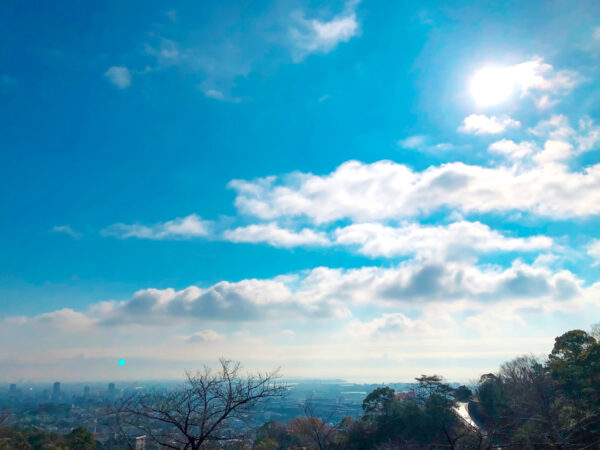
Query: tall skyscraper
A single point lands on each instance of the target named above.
(86, 391)
(112, 391)
(13, 389)
(56, 391)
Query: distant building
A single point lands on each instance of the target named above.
(140, 443)
(56, 391)
(410, 395)
(86, 391)
(13, 389)
(112, 389)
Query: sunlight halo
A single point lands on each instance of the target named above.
(492, 85)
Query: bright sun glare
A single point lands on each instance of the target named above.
(491, 85)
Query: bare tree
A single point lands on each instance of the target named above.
(595, 331)
(314, 429)
(201, 410)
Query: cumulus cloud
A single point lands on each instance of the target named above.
(388, 190)
(556, 127)
(512, 149)
(538, 75)
(374, 239)
(326, 293)
(65, 319)
(119, 76)
(593, 250)
(554, 151)
(179, 228)
(443, 242)
(584, 138)
(588, 137)
(246, 300)
(276, 236)
(482, 124)
(318, 36)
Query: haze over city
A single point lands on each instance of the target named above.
(364, 191)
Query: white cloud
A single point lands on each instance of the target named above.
(511, 149)
(554, 151)
(227, 50)
(422, 142)
(414, 312)
(207, 335)
(494, 322)
(276, 236)
(585, 138)
(440, 242)
(213, 93)
(492, 85)
(594, 251)
(167, 52)
(557, 127)
(179, 228)
(326, 293)
(588, 137)
(457, 240)
(317, 36)
(413, 142)
(545, 260)
(482, 124)
(119, 76)
(387, 190)
(66, 320)
(538, 75)
(388, 326)
(66, 229)
(247, 300)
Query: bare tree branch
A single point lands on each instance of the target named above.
(204, 408)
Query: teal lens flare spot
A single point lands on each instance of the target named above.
(121, 362)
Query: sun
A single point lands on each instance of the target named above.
(492, 85)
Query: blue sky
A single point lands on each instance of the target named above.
(360, 189)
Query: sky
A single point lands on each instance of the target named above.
(362, 190)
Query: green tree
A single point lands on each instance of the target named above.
(267, 444)
(379, 402)
(80, 439)
(463, 393)
(432, 385)
(567, 363)
(492, 398)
